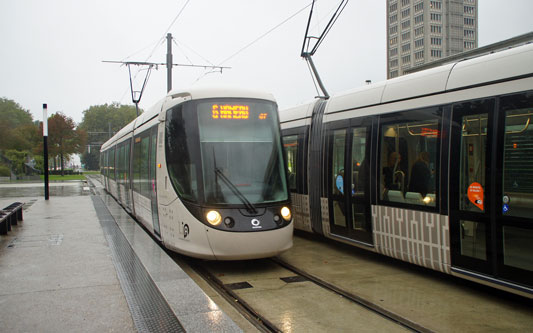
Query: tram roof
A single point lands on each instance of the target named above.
(495, 67)
(187, 94)
(502, 65)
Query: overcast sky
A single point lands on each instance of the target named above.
(52, 51)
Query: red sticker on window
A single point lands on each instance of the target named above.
(475, 195)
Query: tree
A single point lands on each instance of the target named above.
(17, 129)
(64, 138)
(101, 122)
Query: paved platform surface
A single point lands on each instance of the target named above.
(59, 271)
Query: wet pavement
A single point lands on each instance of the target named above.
(36, 189)
(62, 269)
(436, 301)
(56, 272)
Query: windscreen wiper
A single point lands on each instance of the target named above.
(249, 207)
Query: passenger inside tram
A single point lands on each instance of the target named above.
(420, 174)
(409, 160)
(392, 175)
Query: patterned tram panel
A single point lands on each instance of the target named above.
(420, 238)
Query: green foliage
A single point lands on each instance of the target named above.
(17, 158)
(4, 171)
(39, 162)
(17, 130)
(64, 138)
(107, 117)
(53, 178)
(91, 161)
(101, 122)
(13, 114)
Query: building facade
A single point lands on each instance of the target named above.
(422, 31)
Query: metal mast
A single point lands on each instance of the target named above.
(307, 55)
(136, 98)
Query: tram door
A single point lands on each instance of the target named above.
(153, 181)
(491, 188)
(349, 182)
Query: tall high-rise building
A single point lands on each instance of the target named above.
(421, 31)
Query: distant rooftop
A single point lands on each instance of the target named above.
(487, 49)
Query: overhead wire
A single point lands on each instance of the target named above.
(168, 29)
(181, 51)
(158, 43)
(253, 42)
(264, 35)
(331, 23)
(193, 51)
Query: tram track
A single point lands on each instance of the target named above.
(392, 293)
(208, 271)
(354, 298)
(255, 318)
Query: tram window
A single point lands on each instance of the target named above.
(337, 169)
(112, 163)
(145, 176)
(141, 180)
(120, 163)
(136, 165)
(518, 160)
(360, 177)
(106, 166)
(517, 247)
(473, 242)
(102, 163)
(409, 157)
(127, 148)
(359, 163)
(473, 156)
(291, 150)
(179, 149)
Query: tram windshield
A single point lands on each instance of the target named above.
(241, 152)
(239, 160)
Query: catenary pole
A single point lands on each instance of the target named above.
(45, 151)
(169, 62)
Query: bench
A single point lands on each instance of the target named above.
(9, 216)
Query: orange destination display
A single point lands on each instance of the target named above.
(230, 111)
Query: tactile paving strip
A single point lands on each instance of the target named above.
(149, 310)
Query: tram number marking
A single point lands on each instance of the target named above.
(256, 224)
(185, 230)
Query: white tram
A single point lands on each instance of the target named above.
(434, 168)
(204, 171)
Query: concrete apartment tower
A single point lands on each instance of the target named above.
(421, 31)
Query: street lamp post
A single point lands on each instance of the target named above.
(45, 150)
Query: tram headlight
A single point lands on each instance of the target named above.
(214, 217)
(286, 213)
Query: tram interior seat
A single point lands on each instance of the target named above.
(395, 196)
(414, 198)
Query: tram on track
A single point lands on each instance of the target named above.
(434, 168)
(203, 170)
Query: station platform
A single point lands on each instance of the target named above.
(78, 262)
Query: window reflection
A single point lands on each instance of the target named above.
(339, 142)
(518, 158)
(360, 178)
(517, 247)
(473, 161)
(473, 242)
(409, 158)
(290, 144)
